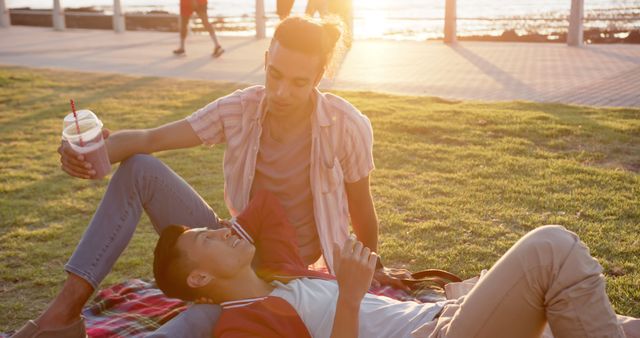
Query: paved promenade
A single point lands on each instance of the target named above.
(600, 75)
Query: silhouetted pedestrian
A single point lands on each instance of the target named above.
(187, 7)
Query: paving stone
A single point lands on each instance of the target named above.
(601, 75)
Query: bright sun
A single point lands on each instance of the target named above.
(374, 23)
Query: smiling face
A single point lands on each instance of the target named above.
(219, 253)
(291, 77)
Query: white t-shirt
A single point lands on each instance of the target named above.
(315, 302)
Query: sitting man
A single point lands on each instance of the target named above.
(253, 269)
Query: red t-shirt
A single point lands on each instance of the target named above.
(264, 223)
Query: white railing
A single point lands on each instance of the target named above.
(5, 19)
(574, 37)
(57, 16)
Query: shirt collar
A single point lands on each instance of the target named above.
(322, 115)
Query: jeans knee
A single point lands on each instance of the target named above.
(138, 163)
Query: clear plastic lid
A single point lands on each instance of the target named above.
(83, 114)
(88, 128)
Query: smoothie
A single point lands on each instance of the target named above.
(89, 141)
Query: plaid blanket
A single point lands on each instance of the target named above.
(136, 307)
(130, 309)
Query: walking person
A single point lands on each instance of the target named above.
(187, 7)
(344, 10)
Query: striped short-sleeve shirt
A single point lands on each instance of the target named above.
(341, 152)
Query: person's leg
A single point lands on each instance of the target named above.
(312, 8)
(142, 182)
(184, 27)
(202, 14)
(283, 8)
(548, 275)
(630, 326)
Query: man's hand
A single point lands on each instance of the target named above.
(391, 277)
(354, 265)
(74, 163)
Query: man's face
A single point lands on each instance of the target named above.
(291, 77)
(218, 252)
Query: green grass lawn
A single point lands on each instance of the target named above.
(456, 184)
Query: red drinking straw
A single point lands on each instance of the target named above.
(75, 117)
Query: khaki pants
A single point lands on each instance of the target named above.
(547, 276)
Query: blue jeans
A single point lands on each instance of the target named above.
(143, 182)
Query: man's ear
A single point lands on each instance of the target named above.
(199, 278)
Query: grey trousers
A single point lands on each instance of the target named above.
(143, 182)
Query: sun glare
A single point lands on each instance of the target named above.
(374, 23)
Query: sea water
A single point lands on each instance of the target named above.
(403, 19)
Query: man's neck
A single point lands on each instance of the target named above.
(244, 285)
(282, 124)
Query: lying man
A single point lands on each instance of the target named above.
(253, 269)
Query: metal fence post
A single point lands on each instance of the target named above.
(5, 19)
(260, 20)
(450, 21)
(576, 30)
(118, 17)
(58, 16)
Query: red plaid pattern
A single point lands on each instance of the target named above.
(130, 309)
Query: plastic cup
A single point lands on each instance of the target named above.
(89, 141)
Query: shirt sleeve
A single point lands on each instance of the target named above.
(208, 121)
(356, 158)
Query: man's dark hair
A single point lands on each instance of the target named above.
(309, 36)
(171, 266)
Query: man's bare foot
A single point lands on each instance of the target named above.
(66, 307)
(52, 320)
(31, 329)
(179, 51)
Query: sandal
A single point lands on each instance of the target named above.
(179, 51)
(31, 330)
(217, 52)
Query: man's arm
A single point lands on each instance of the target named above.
(354, 265)
(174, 135)
(365, 225)
(363, 214)
(125, 143)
